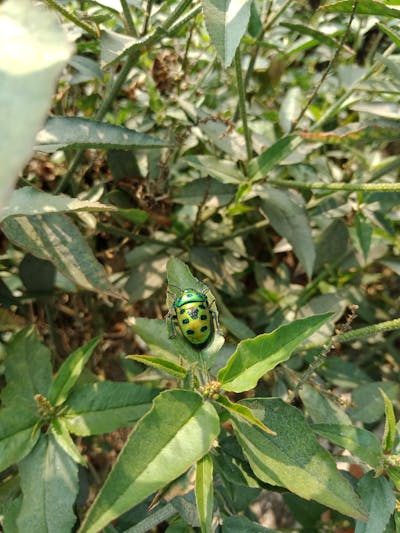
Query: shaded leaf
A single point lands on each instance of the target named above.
(30, 201)
(77, 132)
(288, 218)
(161, 364)
(293, 458)
(389, 434)
(243, 412)
(103, 407)
(50, 237)
(177, 432)
(378, 130)
(363, 7)
(255, 357)
(358, 441)
(27, 370)
(226, 22)
(272, 156)
(377, 496)
(17, 436)
(29, 69)
(49, 483)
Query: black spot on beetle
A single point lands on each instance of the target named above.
(185, 321)
(203, 317)
(204, 328)
(190, 332)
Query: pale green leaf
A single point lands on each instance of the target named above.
(293, 458)
(363, 7)
(272, 156)
(55, 238)
(29, 201)
(106, 406)
(255, 357)
(204, 492)
(77, 132)
(164, 365)
(61, 434)
(49, 483)
(389, 434)
(33, 51)
(176, 433)
(226, 22)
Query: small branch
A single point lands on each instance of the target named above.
(354, 334)
(73, 18)
(242, 102)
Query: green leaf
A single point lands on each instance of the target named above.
(255, 357)
(70, 371)
(272, 156)
(321, 409)
(17, 436)
(60, 432)
(76, 132)
(293, 458)
(364, 233)
(177, 432)
(377, 496)
(106, 406)
(33, 51)
(389, 434)
(241, 524)
(49, 483)
(30, 201)
(204, 493)
(319, 36)
(393, 35)
(161, 364)
(220, 169)
(369, 406)
(358, 441)
(363, 7)
(226, 22)
(243, 412)
(27, 370)
(288, 218)
(50, 237)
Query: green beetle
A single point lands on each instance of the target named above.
(191, 310)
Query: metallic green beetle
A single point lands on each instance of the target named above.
(191, 310)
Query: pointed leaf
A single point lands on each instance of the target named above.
(226, 22)
(242, 411)
(389, 434)
(289, 218)
(177, 432)
(17, 436)
(357, 132)
(293, 458)
(272, 156)
(63, 438)
(363, 7)
(77, 132)
(161, 364)
(204, 493)
(70, 371)
(255, 357)
(50, 237)
(358, 441)
(30, 201)
(49, 483)
(321, 409)
(27, 369)
(33, 51)
(377, 496)
(106, 406)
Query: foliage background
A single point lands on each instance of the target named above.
(271, 167)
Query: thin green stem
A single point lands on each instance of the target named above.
(148, 15)
(242, 102)
(128, 18)
(363, 187)
(354, 334)
(73, 18)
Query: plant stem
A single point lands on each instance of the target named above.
(128, 18)
(242, 102)
(73, 18)
(363, 187)
(354, 334)
(148, 15)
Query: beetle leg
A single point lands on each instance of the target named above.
(171, 318)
